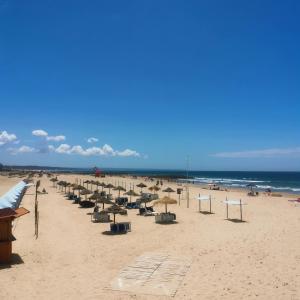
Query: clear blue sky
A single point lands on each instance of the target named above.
(216, 80)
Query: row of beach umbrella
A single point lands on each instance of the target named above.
(63, 185)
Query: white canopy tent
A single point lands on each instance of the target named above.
(234, 202)
(204, 198)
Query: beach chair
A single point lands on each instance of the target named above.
(127, 226)
(142, 210)
(100, 217)
(150, 212)
(135, 205)
(114, 228)
(121, 200)
(129, 205)
(165, 218)
(122, 227)
(86, 204)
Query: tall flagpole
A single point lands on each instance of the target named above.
(187, 177)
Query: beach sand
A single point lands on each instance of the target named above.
(73, 259)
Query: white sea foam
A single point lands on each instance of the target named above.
(242, 183)
(220, 180)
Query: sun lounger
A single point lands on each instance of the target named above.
(121, 200)
(164, 218)
(150, 212)
(101, 217)
(142, 210)
(132, 205)
(122, 227)
(86, 204)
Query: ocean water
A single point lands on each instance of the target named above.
(276, 181)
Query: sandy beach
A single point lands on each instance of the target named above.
(73, 259)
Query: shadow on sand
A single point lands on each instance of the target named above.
(108, 232)
(204, 212)
(15, 260)
(236, 220)
(101, 222)
(169, 223)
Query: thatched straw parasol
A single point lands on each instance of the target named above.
(103, 200)
(141, 185)
(102, 184)
(115, 209)
(67, 185)
(131, 193)
(79, 188)
(97, 183)
(93, 182)
(109, 186)
(54, 180)
(154, 188)
(87, 183)
(86, 192)
(119, 188)
(60, 184)
(95, 196)
(165, 201)
(168, 190)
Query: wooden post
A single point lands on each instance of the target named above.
(209, 203)
(241, 210)
(199, 203)
(187, 197)
(226, 208)
(36, 210)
